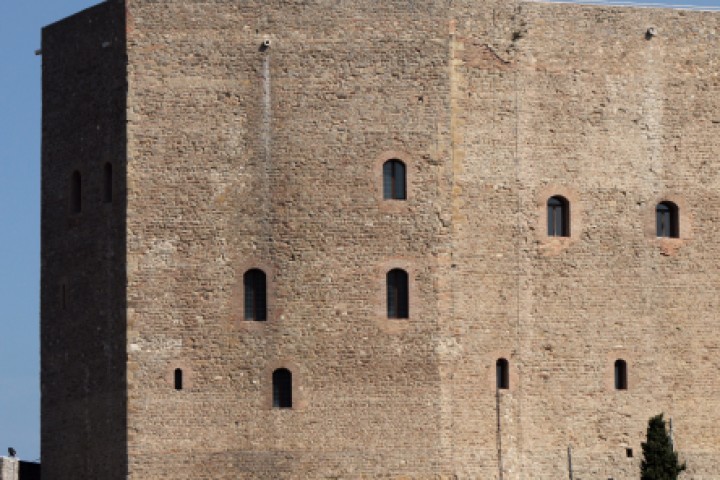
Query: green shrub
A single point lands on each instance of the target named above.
(660, 462)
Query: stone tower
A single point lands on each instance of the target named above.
(84, 246)
(218, 244)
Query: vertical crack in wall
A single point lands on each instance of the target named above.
(266, 142)
(652, 111)
(267, 110)
(446, 364)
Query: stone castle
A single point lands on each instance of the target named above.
(407, 239)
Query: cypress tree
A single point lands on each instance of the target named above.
(660, 462)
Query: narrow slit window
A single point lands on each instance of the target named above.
(75, 192)
(178, 379)
(282, 388)
(502, 374)
(621, 375)
(394, 180)
(558, 217)
(398, 304)
(108, 183)
(255, 288)
(667, 221)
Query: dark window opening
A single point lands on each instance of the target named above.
(621, 380)
(63, 296)
(282, 388)
(108, 183)
(75, 192)
(558, 217)
(255, 288)
(398, 304)
(394, 182)
(666, 218)
(502, 374)
(629, 453)
(178, 379)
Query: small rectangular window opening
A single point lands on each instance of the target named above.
(621, 380)
(398, 302)
(178, 379)
(282, 388)
(629, 452)
(558, 217)
(667, 222)
(108, 181)
(394, 182)
(255, 286)
(502, 374)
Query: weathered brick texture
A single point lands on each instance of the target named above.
(230, 156)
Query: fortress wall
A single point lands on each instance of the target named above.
(586, 107)
(243, 158)
(83, 252)
(240, 157)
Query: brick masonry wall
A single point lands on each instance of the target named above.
(242, 158)
(580, 102)
(83, 345)
(239, 158)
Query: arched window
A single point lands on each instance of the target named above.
(394, 180)
(667, 223)
(502, 374)
(397, 294)
(255, 288)
(107, 183)
(621, 378)
(75, 192)
(178, 377)
(282, 388)
(558, 217)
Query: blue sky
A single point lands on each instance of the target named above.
(20, 24)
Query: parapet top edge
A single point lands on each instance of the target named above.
(630, 4)
(84, 11)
